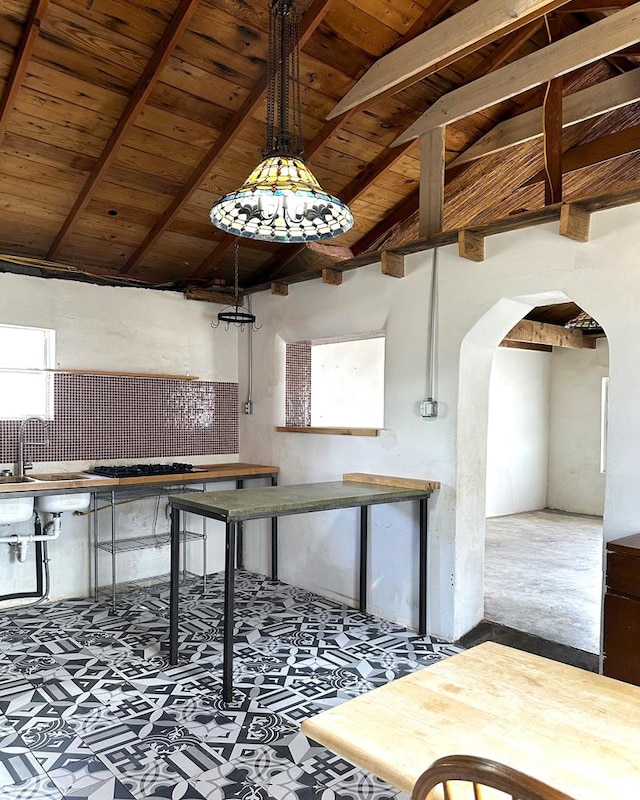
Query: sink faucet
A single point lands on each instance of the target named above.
(22, 466)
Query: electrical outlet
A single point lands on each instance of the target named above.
(429, 408)
(248, 407)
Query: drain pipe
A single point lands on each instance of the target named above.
(429, 407)
(21, 541)
(248, 406)
(55, 525)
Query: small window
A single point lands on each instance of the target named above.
(26, 382)
(336, 382)
(604, 416)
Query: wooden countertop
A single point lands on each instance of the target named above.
(86, 481)
(572, 729)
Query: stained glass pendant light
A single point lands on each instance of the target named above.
(281, 201)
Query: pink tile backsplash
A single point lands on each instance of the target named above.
(298, 385)
(103, 417)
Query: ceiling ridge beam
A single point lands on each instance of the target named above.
(577, 50)
(172, 34)
(18, 69)
(310, 21)
(480, 23)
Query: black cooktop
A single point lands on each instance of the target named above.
(143, 470)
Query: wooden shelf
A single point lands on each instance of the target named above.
(332, 431)
(116, 374)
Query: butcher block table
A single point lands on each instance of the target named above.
(574, 730)
(235, 506)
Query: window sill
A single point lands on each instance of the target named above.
(332, 431)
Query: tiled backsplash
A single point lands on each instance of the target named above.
(104, 417)
(298, 385)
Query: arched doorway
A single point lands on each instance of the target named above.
(558, 482)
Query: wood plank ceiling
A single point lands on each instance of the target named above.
(122, 121)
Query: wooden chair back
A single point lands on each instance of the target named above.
(459, 777)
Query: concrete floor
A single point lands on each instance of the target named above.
(543, 575)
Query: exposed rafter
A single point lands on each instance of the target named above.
(138, 98)
(480, 23)
(580, 48)
(20, 63)
(586, 104)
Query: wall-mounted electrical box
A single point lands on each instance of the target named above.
(429, 408)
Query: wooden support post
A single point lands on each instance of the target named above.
(471, 245)
(431, 181)
(553, 143)
(331, 276)
(280, 289)
(574, 223)
(392, 264)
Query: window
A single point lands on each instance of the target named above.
(336, 383)
(26, 384)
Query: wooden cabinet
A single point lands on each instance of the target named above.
(622, 610)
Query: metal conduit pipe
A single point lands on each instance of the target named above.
(248, 407)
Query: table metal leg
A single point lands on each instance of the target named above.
(174, 591)
(227, 652)
(423, 567)
(94, 499)
(114, 577)
(240, 535)
(274, 540)
(364, 537)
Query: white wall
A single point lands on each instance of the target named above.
(478, 304)
(115, 329)
(518, 431)
(575, 481)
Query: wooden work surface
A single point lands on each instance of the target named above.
(86, 481)
(572, 729)
(235, 505)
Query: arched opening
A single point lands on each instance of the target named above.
(530, 425)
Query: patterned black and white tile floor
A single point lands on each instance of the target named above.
(90, 708)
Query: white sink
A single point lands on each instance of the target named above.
(15, 509)
(56, 503)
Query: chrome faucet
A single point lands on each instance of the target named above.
(22, 466)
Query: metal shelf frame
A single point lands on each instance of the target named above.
(114, 545)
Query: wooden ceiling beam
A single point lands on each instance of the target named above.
(583, 105)
(584, 6)
(32, 24)
(532, 332)
(310, 21)
(595, 152)
(465, 32)
(577, 50)
(170, 38)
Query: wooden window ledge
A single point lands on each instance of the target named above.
(332, 431)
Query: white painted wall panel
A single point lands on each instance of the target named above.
(518, 432)
(575, 481)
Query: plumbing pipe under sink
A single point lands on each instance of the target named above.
(21, 541)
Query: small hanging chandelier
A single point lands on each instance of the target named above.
(236, 314)
(281, 200)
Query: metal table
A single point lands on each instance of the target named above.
(235, 506)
